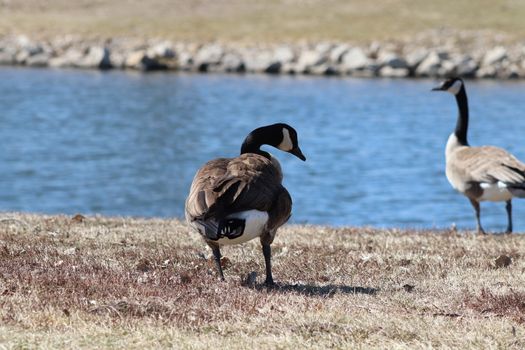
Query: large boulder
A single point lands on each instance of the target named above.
(391, 72)
(162, 50)
(431, 65)
(27, 51)
(207, 56)
(260, 61)
(309, 59)
(466, 66)
(232, 63)
(68, 59)
(391, 60)
(7, 55)
(486, 72)
(355, 59)
(185, 60)
(284, 54)
(117, 59)
(415, 57)
(496, 55)
(337, 53)
(38, 60)
(141, 61)
(95, 57)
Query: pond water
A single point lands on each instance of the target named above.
(123, 143)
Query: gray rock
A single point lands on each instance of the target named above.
(161, 50)
(496, 55)
(466, 66)
(391, 60)
(447, 68)
(324, 69)
(185, 60)
(38, 60)
(117, 59)
(232, 62)
(288, 68)
(259, 61)
(374, 49)
(308, 59)
(414, 58)
(355, 59)
(7, 57)
(511, 71)
(68, 59)
(141, 61)
(391, 72)
(430, 66)
(95, 57)
(284, 54)
(369, 72)
(337, 53)
(208, 55)
(323, 48)
(486, 72)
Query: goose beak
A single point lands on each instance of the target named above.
(297, 152)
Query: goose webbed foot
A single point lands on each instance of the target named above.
(269, 282)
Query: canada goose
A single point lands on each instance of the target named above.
(484, 173)
(233, 200)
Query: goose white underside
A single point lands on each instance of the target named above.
(255, 223)
(495, 192)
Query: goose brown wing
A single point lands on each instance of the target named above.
(491, 164)
(250, 182)
(202, 196)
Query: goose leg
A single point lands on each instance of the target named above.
(267, 251)
(508, 206)
(217, 255)
(475, 204)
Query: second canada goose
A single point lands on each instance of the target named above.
(233, 200)
(484, 173)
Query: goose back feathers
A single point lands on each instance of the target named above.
(249, 184)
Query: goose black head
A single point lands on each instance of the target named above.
(281, 136)
(452, 85)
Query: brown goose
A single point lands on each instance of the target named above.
(484, 173)
(233, 200)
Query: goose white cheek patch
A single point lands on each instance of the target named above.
(454, 88)
(286, 144)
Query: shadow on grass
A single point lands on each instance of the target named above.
(323, 291)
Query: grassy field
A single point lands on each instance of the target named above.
(132, 283)
(260, 21)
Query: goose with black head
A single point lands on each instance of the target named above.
(485, 173)
(234, 200)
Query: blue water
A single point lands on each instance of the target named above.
(119, 143)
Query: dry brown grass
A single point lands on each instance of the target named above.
(256, 21)
(135, 283)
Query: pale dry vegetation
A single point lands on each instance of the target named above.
(135, 283)
(259, 21)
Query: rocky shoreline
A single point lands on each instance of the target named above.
(469, 56)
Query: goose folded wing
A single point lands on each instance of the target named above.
(202, 196)
(250, 182)
(492, 164)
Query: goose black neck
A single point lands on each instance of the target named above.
(252, 144)
(462, 122)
